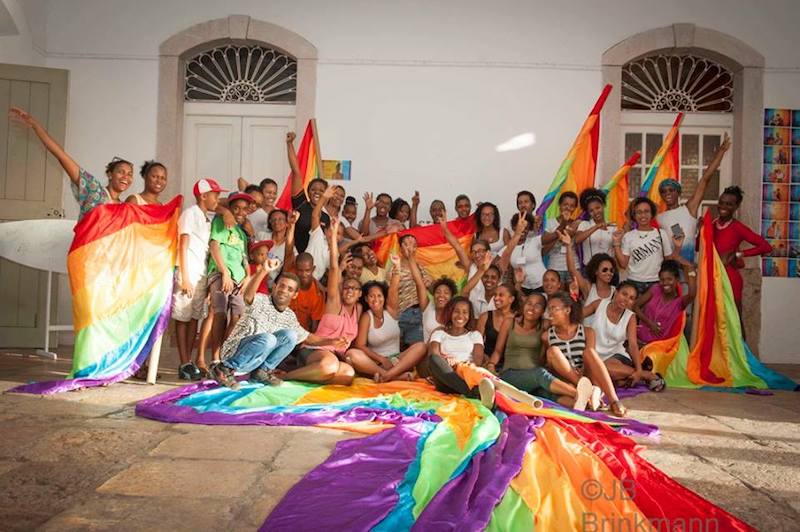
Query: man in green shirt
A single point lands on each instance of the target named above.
(227, 270)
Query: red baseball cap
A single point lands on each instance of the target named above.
(207, 185)
(256, 245)
(240, 196)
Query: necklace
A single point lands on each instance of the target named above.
(723, 225)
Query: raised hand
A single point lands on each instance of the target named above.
(369, 201)
(616, 238)
(272, 265)
(290, 136)
(334, 230)
(415, 198)
(487, 261)
(329, 193)
(726, 144)
(395, 259)
(292, 218)
(564, 237)
(522, 223)
(19, 115)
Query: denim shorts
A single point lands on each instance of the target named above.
(410, 322)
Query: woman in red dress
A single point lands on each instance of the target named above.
(729, 234)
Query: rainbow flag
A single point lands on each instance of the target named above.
(433, 251)
(577, 170)
(665, 165)
(433, 461)
(720, 357)
(120, 268)
(307, 158)
(617, 193)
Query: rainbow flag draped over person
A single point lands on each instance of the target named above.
(720, 357)
(617, 190)
(307, 159)
(665, 165)
(433, 250)
(577, 170)
(432, 461)
(120, 266)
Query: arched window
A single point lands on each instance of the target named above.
(677, 83)
(249, 74)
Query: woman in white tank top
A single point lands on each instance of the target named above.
(614, 325)
(376, 350)
(598, 282)
(155, 181)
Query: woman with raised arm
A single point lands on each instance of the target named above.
(325, 363)
(377, 347)
(300, 203)
(599, 280)
(155, 181)
(412, 292)
(595, 234)
(88, 191)
(524, 251)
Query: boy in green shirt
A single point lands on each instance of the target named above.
(227, 270)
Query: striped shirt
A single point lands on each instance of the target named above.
(572, 348)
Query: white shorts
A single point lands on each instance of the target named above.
(185, 308)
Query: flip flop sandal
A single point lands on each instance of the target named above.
(618, 409)
(658, 384)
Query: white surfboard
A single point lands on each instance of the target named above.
(40, 244)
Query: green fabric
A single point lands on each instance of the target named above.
(511, 515)
(233, 248)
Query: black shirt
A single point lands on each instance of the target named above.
(303, 225)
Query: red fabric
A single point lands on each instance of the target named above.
(262, 288)
(432, 235)
(661, 499)
(98, 223)
(285, 199)
(728, 240)
(709, 324)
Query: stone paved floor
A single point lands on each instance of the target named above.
(83, 461)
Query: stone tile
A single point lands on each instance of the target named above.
(105, 444)
(270, 490)
(193, 478)
(144, 513)
(6, 466)
(305, 451)
(56, 406)
(255, 444)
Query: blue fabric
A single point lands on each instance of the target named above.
(410, 322)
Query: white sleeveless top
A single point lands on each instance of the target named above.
(139, 199)
(594, 296)
(385, 340)
(610, 337)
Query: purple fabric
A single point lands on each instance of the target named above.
(162, 407)
(354, 489)
(625, 393)
(66, 385)
(467, 501)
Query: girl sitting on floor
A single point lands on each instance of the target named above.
(660, 307)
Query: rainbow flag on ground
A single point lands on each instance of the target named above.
(720, 357)
(308, 158)
(433, 461)
(665, 165)
(120, 267)
(617, 193)
(433, 251)
(577, 170)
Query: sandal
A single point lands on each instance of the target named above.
(617, 409)
(658, 384)
(205, 373)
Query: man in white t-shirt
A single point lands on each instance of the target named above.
(682, 219)
(524, 250)
(189, 295)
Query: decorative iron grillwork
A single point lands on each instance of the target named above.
(677, 83)
(232, 73)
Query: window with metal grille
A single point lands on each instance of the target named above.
(246, 74)
(677, 83)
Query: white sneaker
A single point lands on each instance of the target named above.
(584, 388)
(486, 389)
(596, 399)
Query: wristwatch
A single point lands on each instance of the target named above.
(739, 254)
(692, 273)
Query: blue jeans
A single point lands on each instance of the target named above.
(410, 322)
(264, 351)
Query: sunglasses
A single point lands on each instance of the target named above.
(606, 270)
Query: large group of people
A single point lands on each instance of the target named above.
(558, 309)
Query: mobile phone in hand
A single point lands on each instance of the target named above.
(677, 232)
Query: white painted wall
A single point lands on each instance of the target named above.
(416, 93)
